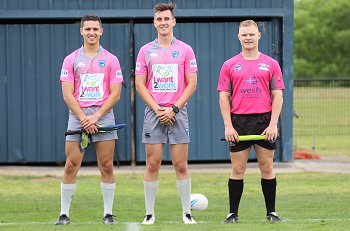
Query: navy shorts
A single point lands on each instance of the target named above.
(251, 124)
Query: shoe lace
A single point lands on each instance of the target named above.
(189, 216)
(63, 217)
(231, 217)
(109, 217)
(274, 214)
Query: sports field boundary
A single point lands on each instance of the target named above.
(329, 165)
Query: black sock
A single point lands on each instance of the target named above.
(269, 190)
(235, 190)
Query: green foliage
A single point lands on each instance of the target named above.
(306, 201)
(321, 38)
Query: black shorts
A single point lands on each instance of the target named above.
(251, 124)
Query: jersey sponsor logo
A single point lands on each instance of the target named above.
(138, 66)
(118, 74)
(91, 87)
(253, 91)
(263, 67)
(102, 63)
(193, 63)
(81, 64)
(238, 67)
(165, 77)
(64, 73)
(175, 54)
(252, 80)
(256, 90)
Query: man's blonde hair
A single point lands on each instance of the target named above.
(247, 23)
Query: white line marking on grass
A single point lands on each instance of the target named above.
(133, 226)
(318, 219)
(136, 226)
(26, 223)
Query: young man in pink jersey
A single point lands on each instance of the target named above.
(166, 78)
(91, 80)
(254, 81)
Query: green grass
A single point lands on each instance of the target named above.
(323, 125)
(307, 201)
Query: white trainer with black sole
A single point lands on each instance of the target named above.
(187, 219)
(149, 219)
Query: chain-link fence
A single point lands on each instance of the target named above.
(322, 114)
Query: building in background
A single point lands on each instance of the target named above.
(36, 35)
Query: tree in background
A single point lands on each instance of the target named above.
(322, 38)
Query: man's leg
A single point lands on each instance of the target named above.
(235, 182)
(74, 158)
(105, 154)
(154, 154)
(268, 180)
(179, 156)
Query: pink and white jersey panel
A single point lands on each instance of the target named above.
(91, 76)
(250, 82)
(165, 69)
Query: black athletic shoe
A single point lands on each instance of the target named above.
(62, 220)
(273, 217)
(109, 220)
(231, 218)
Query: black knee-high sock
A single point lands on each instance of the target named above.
(235, 190)
(269, 190)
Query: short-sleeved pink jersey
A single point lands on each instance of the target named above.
(165, 69)
(91, 76)
(250, 82)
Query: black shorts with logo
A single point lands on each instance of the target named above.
(251, 124)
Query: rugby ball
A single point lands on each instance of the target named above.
(198, 202)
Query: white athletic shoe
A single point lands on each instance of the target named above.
(149, 220)
(188, 219)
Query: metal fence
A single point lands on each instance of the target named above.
(321, 113)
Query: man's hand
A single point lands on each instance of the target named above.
(89, 124)
(231, 134)
(166, 115)
(271, 132)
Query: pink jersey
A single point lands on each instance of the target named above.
(250, 83)
(91, 76)
(165, 69)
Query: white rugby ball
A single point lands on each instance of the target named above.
(198, 202)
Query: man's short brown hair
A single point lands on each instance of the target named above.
(165, 6)
(90, 17)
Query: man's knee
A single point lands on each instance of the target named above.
(181, 167)
(106, 167)
(153, 166)
(71, 167)
(266, 168)
(238, 170)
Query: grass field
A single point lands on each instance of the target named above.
(306, 201)
(323, 125)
